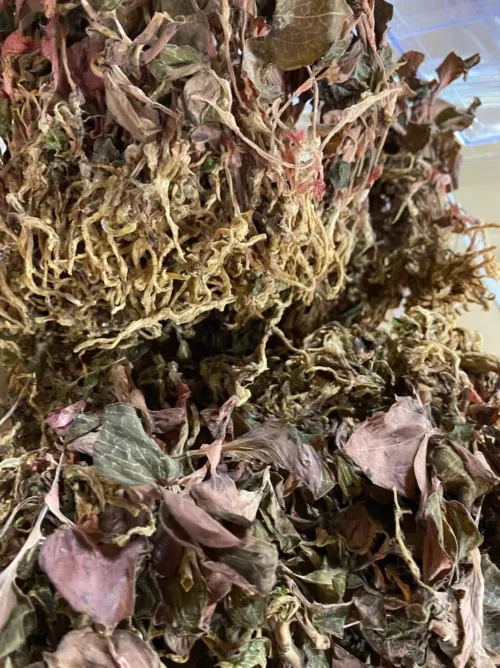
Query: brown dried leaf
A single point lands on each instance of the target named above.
(141, 121)
(453, 67)
(391, 447)
(302, 32)
(412, 61)
(358, 528)
(101, 586)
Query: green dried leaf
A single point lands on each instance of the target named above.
(256, 561)
(105, 5)
(339, 173)
(253, 654)
(329, 583)
(187, 596)
(303, 32)
(5, 118)
(56, 140)
(463, 526)
(22, 622)
(279, 527)
(450, 469)
(330, 619)
(348, 479)
(247, 610)
(172, 57)
(125, 454)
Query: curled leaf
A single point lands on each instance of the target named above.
(276, 444)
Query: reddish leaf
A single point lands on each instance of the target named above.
(61, 418)
(198, 524)
(15, 44)
(391, 447)
(412, 61)
(100, 586)
(80, 56)
(219, 496)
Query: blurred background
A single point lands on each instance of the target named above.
(436, 27)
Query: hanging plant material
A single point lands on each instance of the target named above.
(165, 165)
(218, 447)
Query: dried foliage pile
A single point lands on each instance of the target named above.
(216, 449)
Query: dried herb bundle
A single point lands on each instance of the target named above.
(346, 512)
(161, 163)
(215, 449)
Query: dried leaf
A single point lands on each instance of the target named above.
(453, 67)
(303, 32)
(278, 525)
(463, 526)
(412, 61)
(330, 619)
(141, 121)
(252, 655)
(276, 444)
(125, 453)
(390, 448)
(491, 604)
(256, 561)
(370, 607)
(329, 583)
(172, 57)
(343, 659)
(100, 586)
(247, 610)
(471, 613)
(198, 524)
(21, 623)
(200, 94)
(60, 420)
(357, 527)
(440, 546)
(84, 648)
(219, 496)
